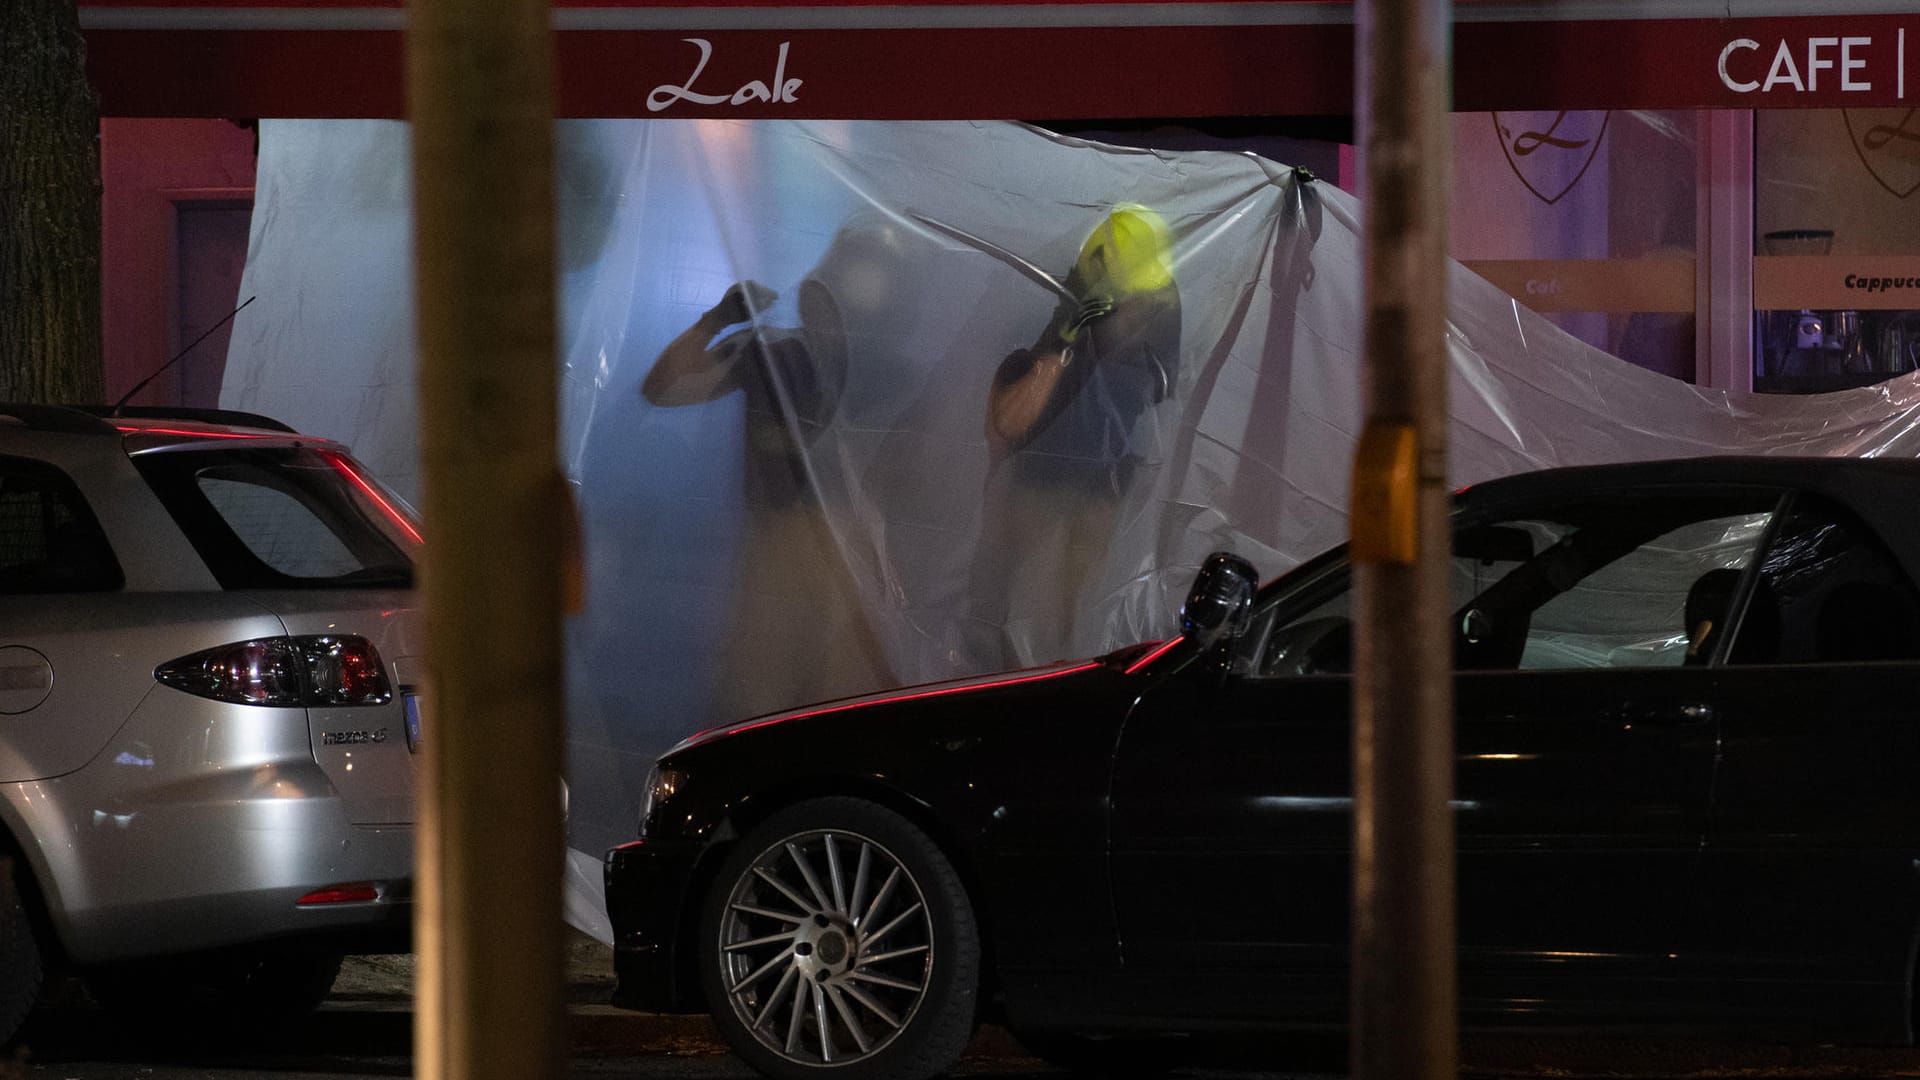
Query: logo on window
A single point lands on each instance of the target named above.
(1551, 151)
(1888, 142)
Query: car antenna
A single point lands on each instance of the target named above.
(142, 384)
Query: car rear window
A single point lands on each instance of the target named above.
(285, 517)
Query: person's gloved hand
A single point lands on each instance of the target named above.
(1075, 319)
(742, 299)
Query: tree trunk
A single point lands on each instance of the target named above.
(49, 209)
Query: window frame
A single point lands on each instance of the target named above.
(174, 478)
(1750, 580)
(1316, 581)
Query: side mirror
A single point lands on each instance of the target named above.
(1221, 600)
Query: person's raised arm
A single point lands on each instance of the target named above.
(694, 367)
(1031, 386)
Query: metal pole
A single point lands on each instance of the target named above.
(488, 869)
(1404, 1009)
(1723, 275)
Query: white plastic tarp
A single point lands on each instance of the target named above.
(989, 398)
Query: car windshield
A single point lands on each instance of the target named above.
(286, 517)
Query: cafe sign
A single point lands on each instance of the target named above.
(1854, 61)
(1008, 59)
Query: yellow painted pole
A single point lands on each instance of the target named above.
(1404, 1007)
(487, 927)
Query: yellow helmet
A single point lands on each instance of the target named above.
(1130, 252)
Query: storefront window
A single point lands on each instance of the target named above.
(1836, 274)
(1589, 218)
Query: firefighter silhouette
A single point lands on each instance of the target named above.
(799, 631)
(1068, 425)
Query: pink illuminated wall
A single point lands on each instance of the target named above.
(174, 208)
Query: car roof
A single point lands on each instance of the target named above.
(228, 418)
(148, 427)
(1883, 492)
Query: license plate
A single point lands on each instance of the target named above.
(412, 702)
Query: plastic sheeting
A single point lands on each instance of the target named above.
(861, 404)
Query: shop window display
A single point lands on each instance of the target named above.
(1588, 218)
(1836, 248)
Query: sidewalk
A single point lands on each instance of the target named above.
(384, 984)
(372, 981)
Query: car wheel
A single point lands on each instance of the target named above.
(838, 939)
(21, 968)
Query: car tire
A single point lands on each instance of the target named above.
(1092, 1056)
(837, 939)
(21, 966)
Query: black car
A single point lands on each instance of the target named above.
(1687, 738)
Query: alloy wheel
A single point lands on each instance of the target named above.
(826, 947)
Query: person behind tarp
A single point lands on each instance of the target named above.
(1064, 428)
(799, 633)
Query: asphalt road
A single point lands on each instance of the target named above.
(368, 1035)
(351, 1039)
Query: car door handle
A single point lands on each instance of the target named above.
(1682, 715)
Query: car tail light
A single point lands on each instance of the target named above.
(319, 671)
(352, 892)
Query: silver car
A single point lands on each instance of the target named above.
(209, 662)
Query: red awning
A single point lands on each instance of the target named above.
(987, 59)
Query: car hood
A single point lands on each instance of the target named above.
(907, 693)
